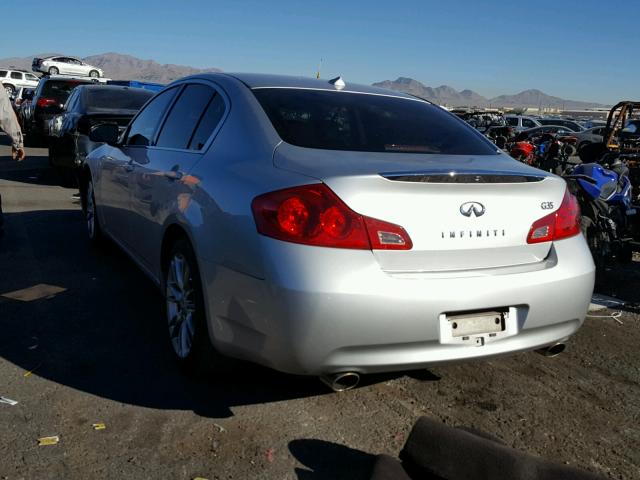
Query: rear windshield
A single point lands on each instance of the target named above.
(59, 90)
(368, 123)
(120, 99)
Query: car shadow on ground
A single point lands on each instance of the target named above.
(34, 170)
(103, 333)
(330, 461)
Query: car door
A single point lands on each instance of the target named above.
(117, 166)
(63, 129)
(77, 67)
(162, 184)
(61, 64)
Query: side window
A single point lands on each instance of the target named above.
(144, 127)
(598, 131)
(527, 123)
(16, 75)
(208, 123)
(184, 116)
(513, 122)
(3, 73)
(71, 102)
(32, 77)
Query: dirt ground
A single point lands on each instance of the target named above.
(91, 350)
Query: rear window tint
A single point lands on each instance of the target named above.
(368, 123)
(59, 90)
(116, 99)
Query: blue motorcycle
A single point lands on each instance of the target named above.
(605, 197)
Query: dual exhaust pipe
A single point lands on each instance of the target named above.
(343, 381)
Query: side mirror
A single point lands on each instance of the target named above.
(105, 133)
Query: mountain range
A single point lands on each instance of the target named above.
(446, 95)
(127, 67)
(121, 67)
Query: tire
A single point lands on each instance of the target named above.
(94, 74)
(598, 242)
(53, 71)
(10, 89)
(184, 313)
(90, 209)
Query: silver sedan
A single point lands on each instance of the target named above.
(332, 229)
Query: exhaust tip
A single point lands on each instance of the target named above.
(552, 350)
(341, 382)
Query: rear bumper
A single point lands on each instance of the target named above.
(330, 310)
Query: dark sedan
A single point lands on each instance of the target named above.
(48, 100)
(89, 105)
(539, 131)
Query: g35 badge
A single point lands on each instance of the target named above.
(546, 205)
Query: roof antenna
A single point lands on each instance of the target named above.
(319, 68)
(338, 83)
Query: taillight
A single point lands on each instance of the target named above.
(45, 102)
(563, 223)
(314, 215)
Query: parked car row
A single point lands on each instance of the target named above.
(48, 100)
(87, 106)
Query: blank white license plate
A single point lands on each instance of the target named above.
(470, 324)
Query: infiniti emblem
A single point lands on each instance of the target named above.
(472, 208)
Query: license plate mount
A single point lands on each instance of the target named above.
(478, 327)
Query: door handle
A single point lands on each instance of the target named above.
(173, 174)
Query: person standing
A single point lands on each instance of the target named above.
(9, 124)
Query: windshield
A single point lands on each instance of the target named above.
(116, 99)
(368, 123)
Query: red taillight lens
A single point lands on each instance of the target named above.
(45, 102)
(314, 215)
(563, 223)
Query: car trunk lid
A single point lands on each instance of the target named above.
(462, 213)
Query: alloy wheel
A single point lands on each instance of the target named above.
(181, 307)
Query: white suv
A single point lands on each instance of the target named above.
(65, 66)
(13, 80)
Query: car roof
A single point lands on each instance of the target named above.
(100, 86)
(262, 80)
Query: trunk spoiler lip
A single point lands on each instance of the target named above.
(464, 176)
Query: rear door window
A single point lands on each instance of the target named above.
(338, 120)
(3, 73)
(185, 116)
(208, 123)
(16, 75)
(513, 122)
(145, 125)
(526, 123)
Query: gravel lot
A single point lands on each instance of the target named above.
(95, 347)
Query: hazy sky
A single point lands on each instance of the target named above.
(582, 50)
